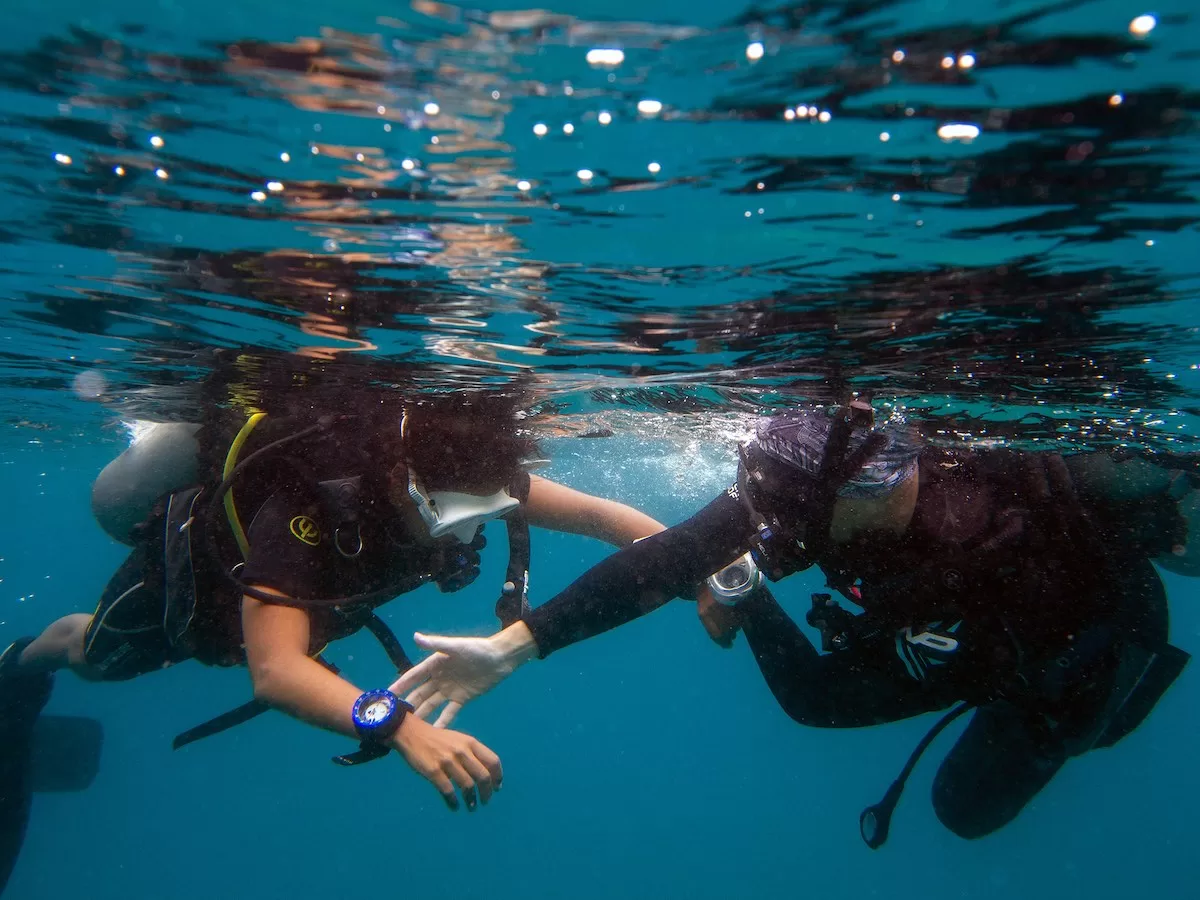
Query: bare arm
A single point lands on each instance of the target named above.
(284, 676)
(560, 508)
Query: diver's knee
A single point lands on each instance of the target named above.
(965, 813)
(74, 636)
(71, 632)
(59, 644)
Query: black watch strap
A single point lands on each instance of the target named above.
(367, 751)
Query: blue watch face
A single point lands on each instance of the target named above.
(373, 709)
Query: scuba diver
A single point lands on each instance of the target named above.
(1015, 584)
(263, 549)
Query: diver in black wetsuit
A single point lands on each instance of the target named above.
(1017, 584)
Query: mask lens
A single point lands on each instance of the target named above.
(733, 577)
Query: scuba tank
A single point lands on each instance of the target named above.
(164, 457)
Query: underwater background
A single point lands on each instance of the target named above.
(982, 214)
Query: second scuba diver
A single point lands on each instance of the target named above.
(263, 549)
(1016, 584)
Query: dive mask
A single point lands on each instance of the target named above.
(451, 512)
(735, 581)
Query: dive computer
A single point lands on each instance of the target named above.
(377, 715)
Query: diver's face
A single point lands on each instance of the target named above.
(893, 512)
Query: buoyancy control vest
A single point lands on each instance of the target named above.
(196, 540)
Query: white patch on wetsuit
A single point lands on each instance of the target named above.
(920, 650)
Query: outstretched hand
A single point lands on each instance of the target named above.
(461, 669)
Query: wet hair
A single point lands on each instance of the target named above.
(465, 440)
(457, 441)
(798, 438)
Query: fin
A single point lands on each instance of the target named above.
(21, 700)
(1142, 679)
(66, 754)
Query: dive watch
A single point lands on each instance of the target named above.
(376, 715)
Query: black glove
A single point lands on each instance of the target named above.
(460, 564)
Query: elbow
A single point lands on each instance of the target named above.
(267, 677)
(621, 525)
(808, 709)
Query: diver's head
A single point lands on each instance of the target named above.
(466, 441)
(835, 469)
(454, 459)
(801, 438)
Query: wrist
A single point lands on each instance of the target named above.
(515, 644)
(409, 731)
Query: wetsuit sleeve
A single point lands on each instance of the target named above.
(644, 576)
(846, 689)
(288, 547)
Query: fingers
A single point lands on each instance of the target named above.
(479, 772)
(459, 775)
(428, 706)
(715, 634)
(716, 624)
(438, 642)
(431, 642)
(707, 622)
(448, 714)
(491, 761)
(446, 788)
(461, 764)
(420, 694)
(416, 675)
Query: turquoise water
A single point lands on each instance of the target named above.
(1034, 283)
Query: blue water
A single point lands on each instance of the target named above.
(987, 286)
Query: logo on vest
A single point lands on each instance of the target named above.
(305, 529)
(929, 648)
(934, 641)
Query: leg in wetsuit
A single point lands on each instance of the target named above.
(1004, 757)
(125, 637)
(1007, 755)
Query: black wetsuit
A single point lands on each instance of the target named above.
(995, 595)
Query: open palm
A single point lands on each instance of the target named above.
(459, 670)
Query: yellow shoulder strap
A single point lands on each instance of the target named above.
(231, 459)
